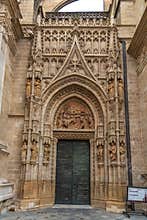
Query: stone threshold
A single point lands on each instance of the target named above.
(66, 206)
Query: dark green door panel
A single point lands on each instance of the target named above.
(73, 176)
(64, 173)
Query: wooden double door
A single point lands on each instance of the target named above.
(73, 172)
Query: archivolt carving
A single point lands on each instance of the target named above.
(75, 90)
(74, 114)
(79, 80)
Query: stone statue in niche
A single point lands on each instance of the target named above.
(28, 87)
(111, 88)
(100, 152)
(113, 151)
(34, 151)
(46, 153)
(120, 88)
(74, 115)
(37, 87)
(111, 65)
(35, 125)
(122, 151)
(24, 151)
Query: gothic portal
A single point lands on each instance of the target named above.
(74, 91)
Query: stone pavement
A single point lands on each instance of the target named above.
(67, 214)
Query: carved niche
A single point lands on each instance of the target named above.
(74, 114)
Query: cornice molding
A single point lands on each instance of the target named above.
(140, 37)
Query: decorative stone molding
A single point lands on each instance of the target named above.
(78, 18)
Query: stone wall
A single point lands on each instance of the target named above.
(11, 117)
(130, 17)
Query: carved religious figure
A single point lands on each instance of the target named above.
(24, 151)
(28, 87)
(34, 151)
(74, 115)
(100, 152)
(46, 153)
(111, 64)
(111, 88)
(113, 151)
(122, 151)
(37, 87)
(120, 88)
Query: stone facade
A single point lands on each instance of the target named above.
(62, 78)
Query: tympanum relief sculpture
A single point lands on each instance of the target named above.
(74, 115)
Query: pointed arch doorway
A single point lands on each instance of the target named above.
(73, 154)
(75, 113)
(73, 172)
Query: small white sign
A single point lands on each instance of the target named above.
(137, 194)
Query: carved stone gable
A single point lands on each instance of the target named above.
(75, 63)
